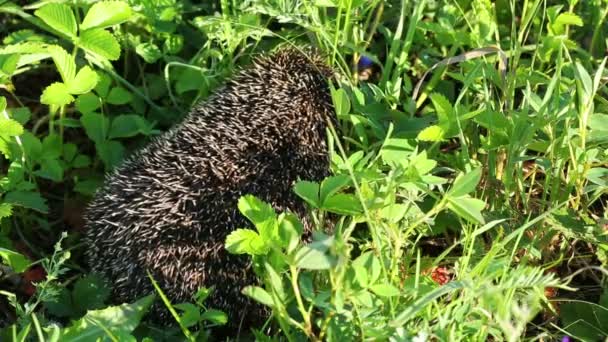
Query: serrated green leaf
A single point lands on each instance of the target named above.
(344, 204)
(149, 52)
(432, 133)
(333, 184)
(568, 18)
(119, 319)
(6, 210)
(64, 62)
(443, 108)
(106, 13)
(309, 191)
(84, 81)
(256, 210)
(27, 199)
(246, 241)
(59, 17)
(56, 94)
(101, 43)
(10, 128)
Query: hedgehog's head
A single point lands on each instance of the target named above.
(305, 72)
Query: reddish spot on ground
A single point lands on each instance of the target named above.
(32, 275)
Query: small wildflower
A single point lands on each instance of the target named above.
(440, 275)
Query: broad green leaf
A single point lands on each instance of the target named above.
(64, 62)
(275, 281)
(369, 262)
(149, 52)
(290, 230)
(333, 184)
(10, 128)
(598, 122)
(569, 19)
(52, 147)
(394, 212)
(261, 214)
(27, 199)
(20, 114)
(50, 169)
(173, 44)
(444, 109)
(8, 64)
(395, 151)
(115, 319)
(344, 204)
(106, 13)
(96, 126)
(215, 316)
(316, 256)
(432, 133)
(59, 17)
(84, 82)
(18, 262)
(124, 126)
(341, 102)
(259, 294)
(119, 96)
(585, 320)
(385, 290)
(585, 79)
(90, 292)
(100, 42)
(111, 153)
(465, 183)
(246, 241)
(103, 85)
(56, 94)
(309, 191)
(468, 208)
(191, 314)
(87, 103)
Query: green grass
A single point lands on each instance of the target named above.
(470, 170)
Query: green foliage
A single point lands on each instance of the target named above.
(458, 182)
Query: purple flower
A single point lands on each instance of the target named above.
(566, 339)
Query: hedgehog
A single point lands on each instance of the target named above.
(169, 207)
